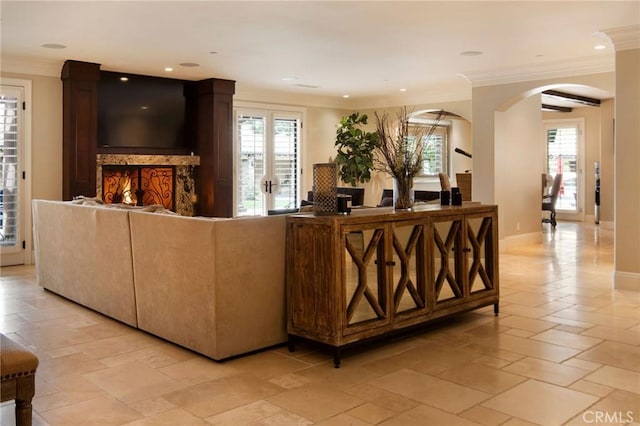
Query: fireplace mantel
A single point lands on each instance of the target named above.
(185, 193)
(144, 160)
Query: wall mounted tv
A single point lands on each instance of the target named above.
(144, 114)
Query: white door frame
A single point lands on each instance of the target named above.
(269, 111)
(24, 195)
(579, 215)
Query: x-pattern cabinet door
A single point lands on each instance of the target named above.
(447, 277)
(364, 277)
(464, 265)
(481, 263)
(408, 269)
(384, 273)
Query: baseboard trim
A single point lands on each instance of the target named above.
(520, 240)
(606, 225)
(626, 281)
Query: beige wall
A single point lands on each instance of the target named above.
(627, 178)
(518, 161)
(319, 146)
(46, 135)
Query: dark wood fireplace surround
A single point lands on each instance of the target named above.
(214, 135)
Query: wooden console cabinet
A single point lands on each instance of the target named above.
(356, 277)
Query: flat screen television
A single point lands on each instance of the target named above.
(144, 114)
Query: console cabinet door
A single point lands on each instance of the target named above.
(384, 274)
(408, 269)
(480, 250)
(364, 277)
(464, 260)
(447, 277)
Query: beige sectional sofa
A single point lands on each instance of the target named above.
(216, 286)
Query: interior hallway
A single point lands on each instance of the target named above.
(564, 350)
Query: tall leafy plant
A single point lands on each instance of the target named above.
(356, 149)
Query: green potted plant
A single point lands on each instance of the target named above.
(356, 149)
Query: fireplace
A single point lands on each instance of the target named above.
(166, 180)
(139, 185)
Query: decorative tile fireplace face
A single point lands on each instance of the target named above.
(117, 174)
(139, 185)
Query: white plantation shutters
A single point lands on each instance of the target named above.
(9, 170)
(267, 161)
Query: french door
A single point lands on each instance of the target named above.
(564, 148)
(12, 226)
(267, 161)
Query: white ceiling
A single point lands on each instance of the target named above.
(332, 48)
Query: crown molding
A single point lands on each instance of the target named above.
(558, 69)
(23, 65)
(624, 38)
(451, 94)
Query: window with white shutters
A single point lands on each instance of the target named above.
(9, 170)
(435, 153)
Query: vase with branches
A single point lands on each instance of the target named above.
(400, 151)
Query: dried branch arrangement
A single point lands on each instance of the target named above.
(400, 147)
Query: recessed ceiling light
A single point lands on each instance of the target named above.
(599, 47)
(189, 64)
(403, 90)
(345, 96)
(168, 69)
(54, 46)
(124, 79)
(471, 53)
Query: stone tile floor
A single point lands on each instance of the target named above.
(564, 350)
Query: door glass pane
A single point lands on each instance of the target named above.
(562, 157)
(286, 163)
(9, 171)
(251, 144)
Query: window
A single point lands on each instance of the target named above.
(435, 151)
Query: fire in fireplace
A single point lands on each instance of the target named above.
(139, 185)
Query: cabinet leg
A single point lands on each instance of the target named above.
(336, 357)
(291, 343)
(496, 309)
